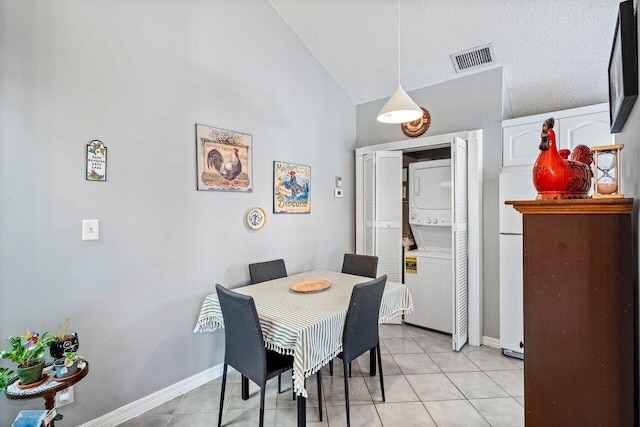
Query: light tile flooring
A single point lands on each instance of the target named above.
(426, 384)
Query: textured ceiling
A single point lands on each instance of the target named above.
(554, 53)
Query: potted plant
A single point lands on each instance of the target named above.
(6, 375)
(63, 343)
(66, 366)
(27, 352)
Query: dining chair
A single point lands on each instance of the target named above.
(268, 270)
(360, 333)
(244, 345)
(360, 265)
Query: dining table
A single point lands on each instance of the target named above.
(306, 325)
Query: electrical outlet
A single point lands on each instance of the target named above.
(90, 229)
(337, 192)
(64, 397)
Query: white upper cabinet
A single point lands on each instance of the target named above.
(588, 129)
(520, 144)
(584, 125)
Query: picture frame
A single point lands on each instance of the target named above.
(223, 159)
(291, 188)
(623, 68)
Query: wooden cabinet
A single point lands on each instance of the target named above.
(584, 125)
(579, 312)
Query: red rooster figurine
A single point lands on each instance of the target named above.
(557, 177)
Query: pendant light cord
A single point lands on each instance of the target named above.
(398, 42)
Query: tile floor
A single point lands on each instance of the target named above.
(426, 384)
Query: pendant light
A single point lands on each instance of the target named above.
(400, 108)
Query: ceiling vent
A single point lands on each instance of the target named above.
(480, 56)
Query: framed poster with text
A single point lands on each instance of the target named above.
(291, 185)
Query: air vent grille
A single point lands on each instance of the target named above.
(473, 58)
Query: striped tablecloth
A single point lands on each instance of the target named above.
(308, 326)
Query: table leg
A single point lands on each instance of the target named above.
(49, 403)
(245, 388)
(372, 362)
(302, 411)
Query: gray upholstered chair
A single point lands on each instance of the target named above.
(360, 265)
(264, 271)
(244, 347)
(360, 333)
(268, 270)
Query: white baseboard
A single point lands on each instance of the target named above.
(491, 342)
(140, 406)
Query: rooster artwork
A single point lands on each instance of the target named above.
(291, 188)
(555, 175)
(224, 161)
(228, 170)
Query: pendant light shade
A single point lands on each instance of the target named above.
(400, 108)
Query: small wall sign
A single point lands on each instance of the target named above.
(96, 161)
(411, 265)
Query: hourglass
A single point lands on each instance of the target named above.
(607, 171)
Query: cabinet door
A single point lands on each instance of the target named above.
(589, 129)
(511, 313)
(459, 243)
(520, 144)
(383, 211)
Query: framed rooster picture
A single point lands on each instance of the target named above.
(291, 185)
(223, 159)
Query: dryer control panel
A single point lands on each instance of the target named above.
(439, 218)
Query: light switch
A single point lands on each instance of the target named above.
(90, 229)
(338, 181)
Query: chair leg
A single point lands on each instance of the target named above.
(349, 369)
(279, 384)
(224, 383)
(346, 393)
(262, 393)
(331, 367)
(319, 379)
(380, 369)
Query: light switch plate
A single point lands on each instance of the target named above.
(90, 229)
(338, 181)
(337, 192)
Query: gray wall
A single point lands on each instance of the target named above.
(466, 103)
(138, 75)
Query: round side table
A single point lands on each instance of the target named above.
(46, 390)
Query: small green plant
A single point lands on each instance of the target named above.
(26, 349)
(6, 375)
(69, 359)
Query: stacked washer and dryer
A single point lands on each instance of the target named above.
(428, 269)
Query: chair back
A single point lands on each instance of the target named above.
(360, 332)
(360, 265)
(244, 345)
(268, 270)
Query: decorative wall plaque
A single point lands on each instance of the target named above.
(96, 161)
(419, 126)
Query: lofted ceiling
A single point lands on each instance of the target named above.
(554, 53)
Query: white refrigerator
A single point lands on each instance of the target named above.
(516, 184)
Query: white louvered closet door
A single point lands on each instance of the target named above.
(383, 211)
(459, 197)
